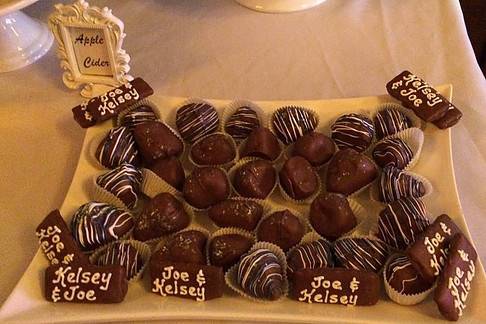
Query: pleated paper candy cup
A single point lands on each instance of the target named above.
(234, 168)
(227, 231)
(234, 106)
(142, 248)
(416, 121)
(143, 102)
(226, 165)
(414, 138)
(231, 276)
(401, 298)
(375, 188)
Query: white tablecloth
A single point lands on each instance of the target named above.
(217, 49)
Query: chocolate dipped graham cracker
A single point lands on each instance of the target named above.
(86, 284)
(429, 252)
(57, 242)
(426, 102)
(186, 280)
(109, 104)
(455, 280)
(336, 286)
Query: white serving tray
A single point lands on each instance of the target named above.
(27, 304)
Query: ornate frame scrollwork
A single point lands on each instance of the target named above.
(81, 15)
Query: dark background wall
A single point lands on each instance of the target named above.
(475, 16)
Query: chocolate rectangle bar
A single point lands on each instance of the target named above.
(187, 280)
(86, 284)
(451, 118)
(418, 95)
(456, 279)
(336, 286)
(56, 241)
(111, 103)
(429, 251)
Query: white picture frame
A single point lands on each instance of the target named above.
(89, 47)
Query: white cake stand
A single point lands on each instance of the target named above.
(279, 6)
(23, 40)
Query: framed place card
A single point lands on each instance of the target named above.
(89, 43)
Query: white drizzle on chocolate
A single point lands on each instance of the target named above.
(124, 182)
(290, 123)
(353, 131)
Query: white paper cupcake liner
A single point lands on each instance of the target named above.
(233, 107)
(416, 121)
(232, 172)
(232, 274)
(375, 195)
(414, 138)
(226, 165)
(309, 110)
(400, 298)
(227, 231)
(143, 102)
(305, 201)
(141, 247)
(365, 113)
(303, 221)
(172, 117)
(152, 184)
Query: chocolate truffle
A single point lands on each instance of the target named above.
(281, 228)
(117, 147)
(161, 215)
(392, 152)
(261, 143)
(260, 274)
(226, 250)
(156, 141)
(124, 182)
(194, 120)
(170, 170)
(403, 278)
(312, 255)
(205, 187)
(255, 179)
(395, 184)
(315, 147)
(331, 216)
(137, 116)
(187, 247)
(353, 131)
(298, 178)
(243, 214)
(401, 222)
(95, 224)
(214, 149)
(290, 123)
(349, 171)
(360, 253)
(241, 123)
(390, 121)
(124, 254)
